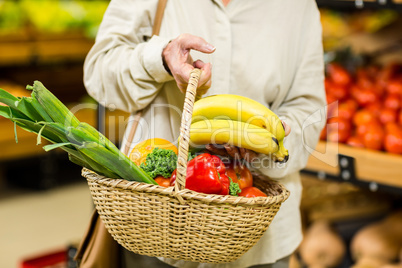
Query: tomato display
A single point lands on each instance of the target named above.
(362, 103)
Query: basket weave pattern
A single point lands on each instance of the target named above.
(150, 220)
(178, 223)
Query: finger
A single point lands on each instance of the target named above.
(216, 150)
(286, 127)
(182, 76)
(188, 41)
(232, 151)
(205, 80)
(243, 152)
(247, 155)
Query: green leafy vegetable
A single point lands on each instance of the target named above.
(160, 162)
(234, 188)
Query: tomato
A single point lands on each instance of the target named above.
(161, 181)
(392, 127)
(392, 101)
(338, 74)
(375, 108)
(240, 174)
(346, 110)
(339, 92)
(395, 86)
(338, 129)
(251, 192)
(374, 138)
(355, 141)
(364, 116)
(388, 115)
(361, 130)
(400, 117)
(364, 97)
(393, 141)
(363, 81)
(330, 98)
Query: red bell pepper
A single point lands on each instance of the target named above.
(225, 184)
(203, 175)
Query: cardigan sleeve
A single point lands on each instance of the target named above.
(124, 67)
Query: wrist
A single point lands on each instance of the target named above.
(165, 65)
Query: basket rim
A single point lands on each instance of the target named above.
(186, 193)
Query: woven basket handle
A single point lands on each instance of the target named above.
(185, 129)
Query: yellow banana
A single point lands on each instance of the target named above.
(239, 108)
(236, 133)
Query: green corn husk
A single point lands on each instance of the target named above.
(39, 109)
(5, 111)
(123, 167)
(36, 128)
(79, 162)
(49, 118)
(53, 106)
(101, 139)
(24, 105)
(95, 166)
(8, 98)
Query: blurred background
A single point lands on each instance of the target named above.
(352, 195)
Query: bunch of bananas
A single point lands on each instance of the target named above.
(239, 121)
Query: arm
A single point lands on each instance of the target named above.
(124, 70)
(301, 107)
(121, 68)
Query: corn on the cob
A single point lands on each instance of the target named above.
(53, 106)
(36, 105)
(35, 128)
(45, 115)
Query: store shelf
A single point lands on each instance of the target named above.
(26, 49)
(359, 4)
(26, 146)
(346, 163)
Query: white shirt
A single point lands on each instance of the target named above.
(267, 50)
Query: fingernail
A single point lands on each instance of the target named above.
(210, 47)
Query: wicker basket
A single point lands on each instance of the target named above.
(179, 223)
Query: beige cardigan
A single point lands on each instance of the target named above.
(267, 50)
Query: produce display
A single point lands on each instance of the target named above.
(338, 25)
(60, 16)
(379, 244)
(151, 161)
(364, 108)
(322, 246)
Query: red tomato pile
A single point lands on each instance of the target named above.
(364, 110)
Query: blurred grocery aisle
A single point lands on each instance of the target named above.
(45, 205)
(37, 222)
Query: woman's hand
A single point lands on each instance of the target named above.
(237, 152)
(177, 60)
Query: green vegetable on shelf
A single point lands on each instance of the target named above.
(48, 117)
(160, 162)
